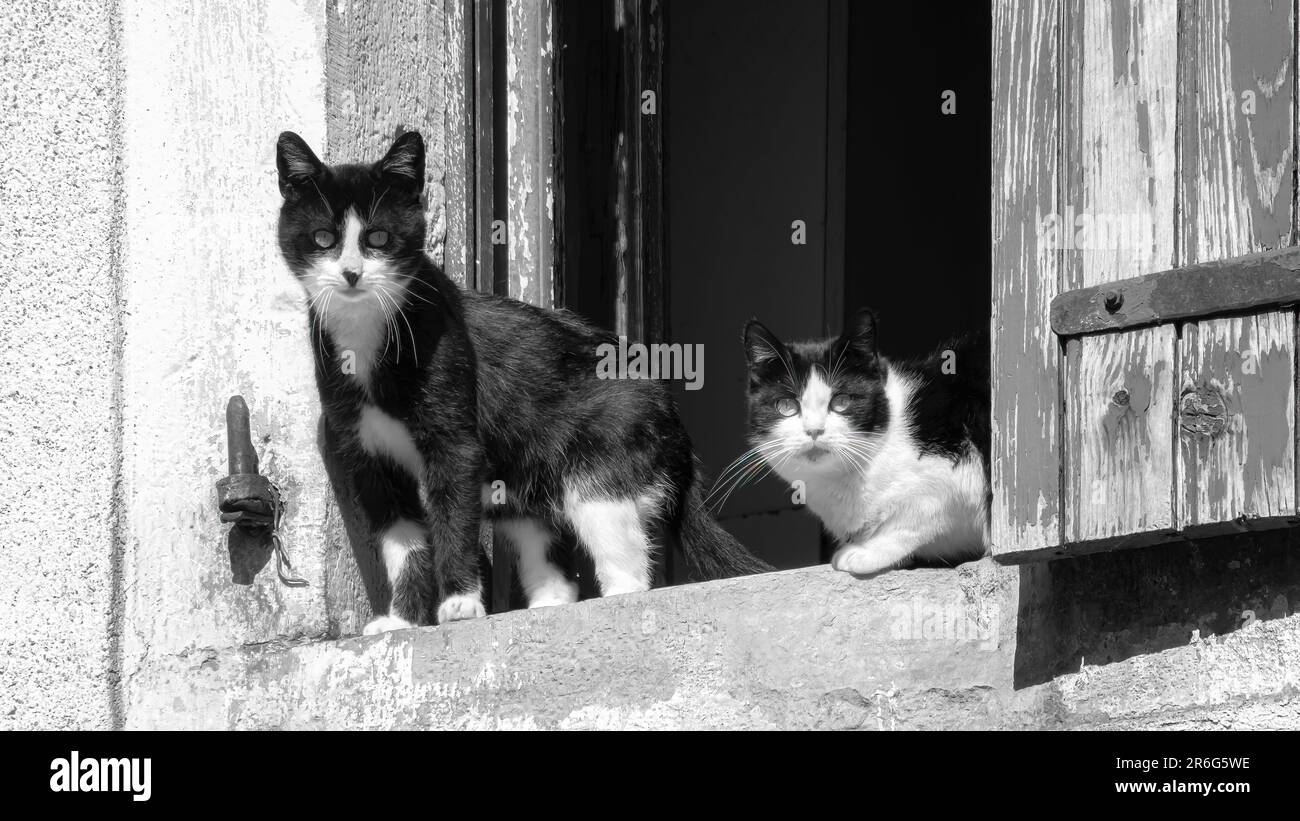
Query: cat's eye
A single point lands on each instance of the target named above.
(787, 406)
(377, 238)
(840, 402)
(323, 238)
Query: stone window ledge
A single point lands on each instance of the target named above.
(799, 649)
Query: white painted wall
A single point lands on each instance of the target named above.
(211, 311)
(142, 288)
(59, 345)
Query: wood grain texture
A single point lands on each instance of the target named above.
(530, 90)
(1246, 469)
(1119, 169)
(1025, 357)
(387, 70)
(459, 139)
(1236, 125)
(640, 239)
(1119, 420)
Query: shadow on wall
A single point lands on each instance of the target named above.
(1108, 607)
(365, 552)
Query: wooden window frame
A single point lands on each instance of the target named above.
(1132, 389)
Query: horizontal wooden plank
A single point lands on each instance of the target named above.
(1252, 282)
(1151, 538)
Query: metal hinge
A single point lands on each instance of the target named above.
(1248, 283)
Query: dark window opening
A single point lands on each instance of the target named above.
(772, 112)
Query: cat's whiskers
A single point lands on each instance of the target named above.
(859, 450)
(757, 450)
(791, 381)
(375, 204)
(740, 471)
(398, 310)
(410, 293)
(415, 280)
(839, 360)
(756, 453)
(846, 454)
(328, 207)
(325, 296)
(785, 449)
(392, 311)
(755, 470)
(388, 329)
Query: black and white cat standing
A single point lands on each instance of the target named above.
(892, 456)
(450, 404)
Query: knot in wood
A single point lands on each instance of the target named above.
(1203, 411)
(1121, 397)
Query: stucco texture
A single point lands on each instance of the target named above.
(59, 343)
(979, 647)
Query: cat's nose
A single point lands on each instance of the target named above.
(353, 277)
(814, 433)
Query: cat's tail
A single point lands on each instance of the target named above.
(710, 551)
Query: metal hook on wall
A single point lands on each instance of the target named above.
(252, 503)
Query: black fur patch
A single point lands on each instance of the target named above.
(490, 388)
(949, 412)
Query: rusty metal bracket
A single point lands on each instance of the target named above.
(250, 501)
(1226, 286)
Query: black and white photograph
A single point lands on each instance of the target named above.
(649, 365)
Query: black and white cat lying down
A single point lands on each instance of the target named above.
(893, 456)
(449, 404)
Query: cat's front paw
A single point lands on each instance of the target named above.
(860, 561)
(384, 624)
(461, 606)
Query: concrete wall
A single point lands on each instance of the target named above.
(143, 289)
(979, 647)
(60, 339)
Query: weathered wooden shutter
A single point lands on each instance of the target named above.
(1132, 138)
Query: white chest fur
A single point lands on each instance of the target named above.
(381, 434)
(902, 489)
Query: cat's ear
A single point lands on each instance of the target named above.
(761, 345)
(860, 335)
(404, 163)
(296, 162)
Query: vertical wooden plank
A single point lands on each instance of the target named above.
(1026, 145)
(1118, 216)
(1236, 110)
(650, 202)
(521, 59)
(1119, 392)
(637, 195)
(1236, 428)
(459, 139)
(837, 134)
(530, 170)
(488, 150)
(386, 76)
